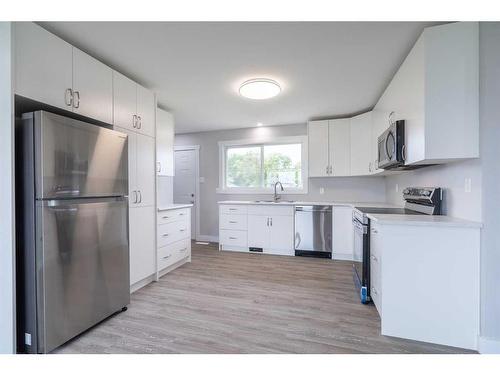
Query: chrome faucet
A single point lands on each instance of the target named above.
(276, 196)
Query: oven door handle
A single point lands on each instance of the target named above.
(359, 227)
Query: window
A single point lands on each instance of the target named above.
(248, 167)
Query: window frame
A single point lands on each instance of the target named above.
(224, 145)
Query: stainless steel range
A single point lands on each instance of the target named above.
(418, 201)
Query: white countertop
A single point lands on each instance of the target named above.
(174, 206)
(423, 220)
(302, 203)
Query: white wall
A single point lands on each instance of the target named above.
(360, 189)
(489, 89)
(7, 308)
(451, 177)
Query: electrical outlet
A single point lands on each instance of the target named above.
(468, 185)
(322, 190)
(397, 188)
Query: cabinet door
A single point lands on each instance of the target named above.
(361, 145)
(142, 243)
(318, 148)
(258, 231)
(124, 101)
(164, 143)
(281, 236)
(145, 169)
(146, 109)
(339, 147)
(43, 65)
(132, 166)
(92, 87)
(343, 233)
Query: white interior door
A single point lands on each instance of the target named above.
(185, 181)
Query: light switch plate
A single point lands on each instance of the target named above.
(202, 180)
(322, 190)
(397, 188)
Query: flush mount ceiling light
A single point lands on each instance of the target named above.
(259, 88)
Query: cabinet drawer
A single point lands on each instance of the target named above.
(233, 237)
(229, 209)
(237, 222)
(270, 211)
(172, 232)
(170, 216)
(170, 254)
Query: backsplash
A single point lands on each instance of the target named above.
(452, 178)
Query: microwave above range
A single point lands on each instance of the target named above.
(391, 146)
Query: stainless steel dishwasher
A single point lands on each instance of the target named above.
(313, 231)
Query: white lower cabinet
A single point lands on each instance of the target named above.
(142, 243)
(376, 268)
(260, 228)
(281, 236)
(343, 233)
(173, 239)
(425, 282)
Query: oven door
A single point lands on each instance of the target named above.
(361, 255)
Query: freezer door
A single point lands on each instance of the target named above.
(82, 266)
(77, 159)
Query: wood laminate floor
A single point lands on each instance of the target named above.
(228, 302)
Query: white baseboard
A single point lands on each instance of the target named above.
(488, 345)
(207, 238)
(142, 283)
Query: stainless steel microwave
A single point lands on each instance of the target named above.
(391, 146)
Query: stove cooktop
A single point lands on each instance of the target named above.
(387, 210)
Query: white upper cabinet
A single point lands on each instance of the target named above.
(329, 148)
(339, 146)
(92, 87)
(318, 148)
(362, 144)
(436, 92)
(43, 65)
(124, 102)
(164, 143)
(146, 110)
(133, 106)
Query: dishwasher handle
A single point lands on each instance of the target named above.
(313, 208)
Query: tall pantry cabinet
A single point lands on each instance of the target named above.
(134, 114)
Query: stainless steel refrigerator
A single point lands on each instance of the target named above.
(72, 228)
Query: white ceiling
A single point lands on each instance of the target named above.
(328, 69)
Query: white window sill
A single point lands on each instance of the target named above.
(259, 191)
